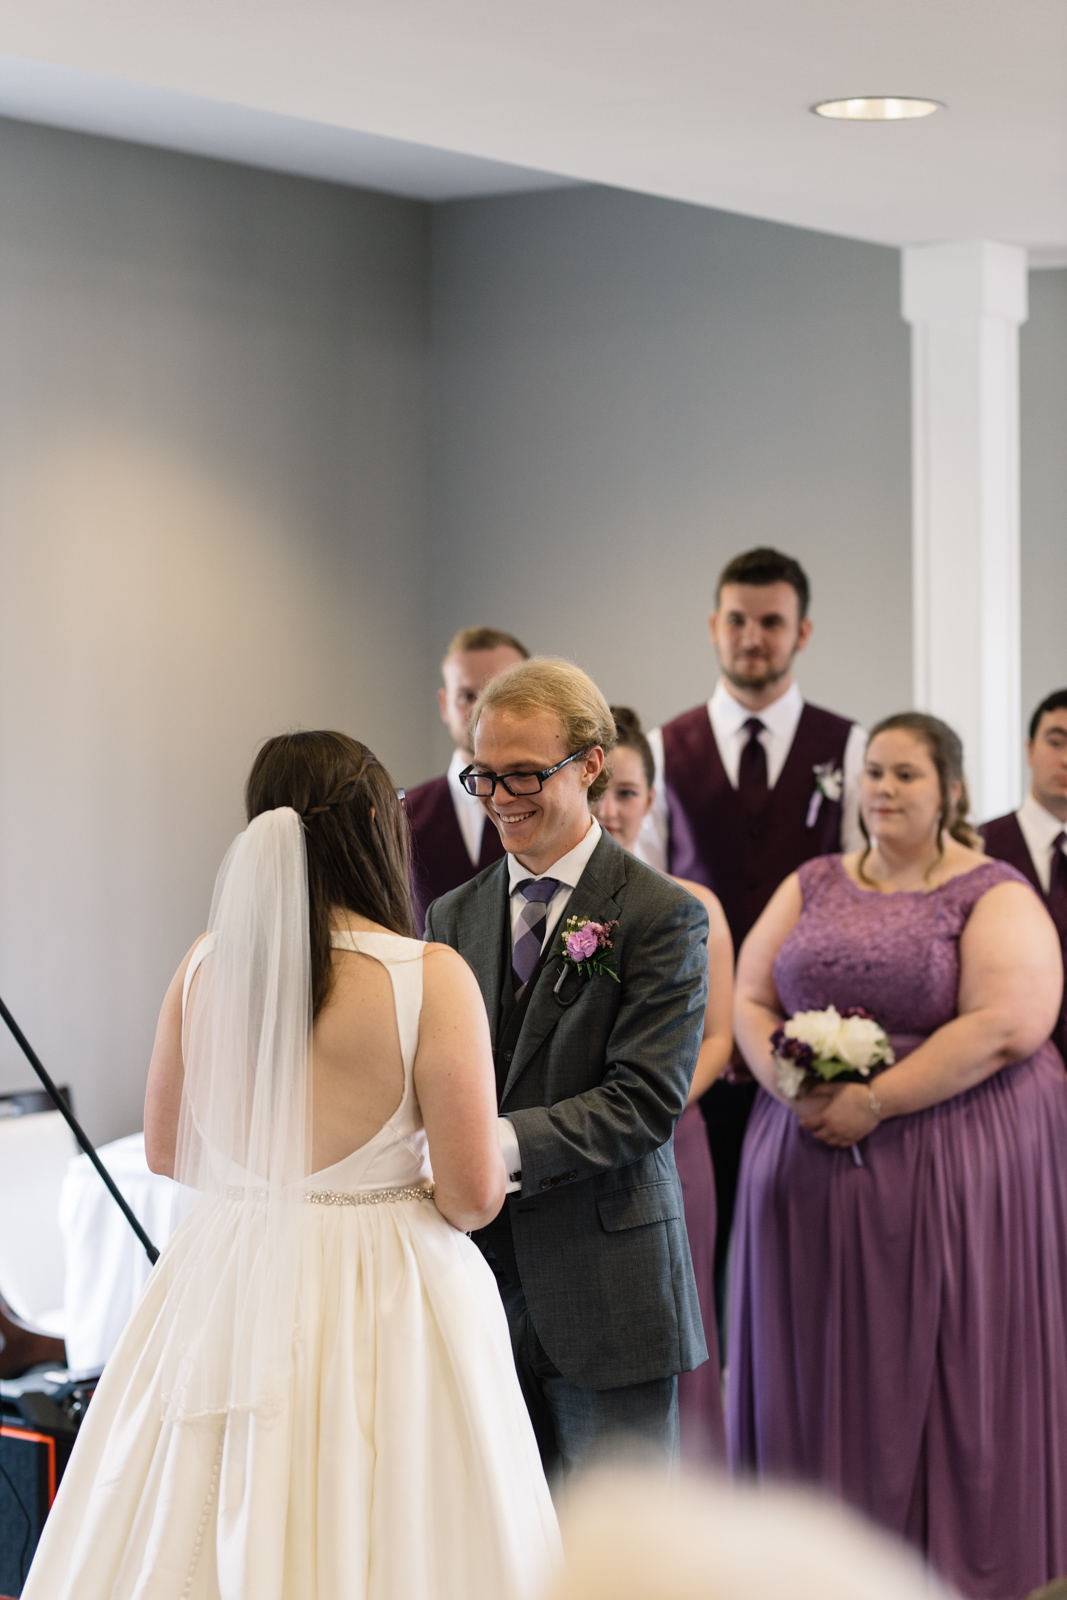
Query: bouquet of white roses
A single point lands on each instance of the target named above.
(828, 1046)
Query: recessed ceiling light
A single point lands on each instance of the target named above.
(877, 108)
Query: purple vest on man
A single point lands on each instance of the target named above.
(744, 859)
(1004, 841)
(439, 859)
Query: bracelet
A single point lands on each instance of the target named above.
(875, 1103)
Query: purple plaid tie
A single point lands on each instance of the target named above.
(530, 931)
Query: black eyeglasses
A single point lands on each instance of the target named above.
(483, 784)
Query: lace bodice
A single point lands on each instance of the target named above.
(896, 955)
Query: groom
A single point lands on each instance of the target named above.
(590, 1251)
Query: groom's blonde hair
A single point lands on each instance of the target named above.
(547, 683)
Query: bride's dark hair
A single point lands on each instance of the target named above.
(355, 828)
(946, 752)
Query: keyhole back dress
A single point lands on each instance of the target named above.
(403, 1466)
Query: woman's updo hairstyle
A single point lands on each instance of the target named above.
(631, 736)
(946, 752)
(355, 830)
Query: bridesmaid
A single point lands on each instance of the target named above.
(621, 811)
(896, 1322)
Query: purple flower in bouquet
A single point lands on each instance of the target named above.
(829, 1046)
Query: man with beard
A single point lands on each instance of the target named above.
(749, 785)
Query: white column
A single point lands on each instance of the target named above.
(965, 303)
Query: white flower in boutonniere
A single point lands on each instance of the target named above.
(829, 783)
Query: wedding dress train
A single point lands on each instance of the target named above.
(400, 1466)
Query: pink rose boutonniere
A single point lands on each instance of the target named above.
(584, 944)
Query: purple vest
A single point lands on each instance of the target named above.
(439, 859)
(1005, 842)
(742, 859)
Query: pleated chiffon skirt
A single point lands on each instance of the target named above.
(700, 1413)
(403, 1466)
(898, 1329)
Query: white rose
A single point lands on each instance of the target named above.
(789, 1078)
(820, 1029)
(860, 1042)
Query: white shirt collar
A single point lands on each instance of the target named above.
(568, 869)
(780, 718)
(470, 813)
(1040, 825)
(460, 759)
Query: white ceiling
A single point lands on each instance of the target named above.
(68, 97)
(699, 100)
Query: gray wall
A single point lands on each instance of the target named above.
(222, 513)
(1043, 383)
(627, 391)
(212, 527)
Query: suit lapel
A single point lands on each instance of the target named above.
(486, 924)
(593, 897)
(1022, 857)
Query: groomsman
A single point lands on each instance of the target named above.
(1034, 838)
(450, 838)
(749, 785)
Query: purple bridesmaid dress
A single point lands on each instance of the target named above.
(898, 1329)
(700, 1415)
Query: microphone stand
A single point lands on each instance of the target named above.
(80, 1135)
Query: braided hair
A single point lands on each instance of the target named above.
(355, 829)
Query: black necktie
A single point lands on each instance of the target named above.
(1057, 886)
(752, 769)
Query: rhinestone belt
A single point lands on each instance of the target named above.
(367, 1197)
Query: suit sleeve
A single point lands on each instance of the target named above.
(650, 1059)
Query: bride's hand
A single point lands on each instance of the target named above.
(838, 1114)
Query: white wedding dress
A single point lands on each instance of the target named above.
(403, 1464)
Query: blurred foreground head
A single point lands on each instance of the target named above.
(629, 1536)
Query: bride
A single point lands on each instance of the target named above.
(315, 1397)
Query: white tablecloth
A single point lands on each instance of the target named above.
(106, 1266)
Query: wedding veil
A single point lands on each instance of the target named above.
(244, 1131)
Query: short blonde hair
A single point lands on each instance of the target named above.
(547, 683)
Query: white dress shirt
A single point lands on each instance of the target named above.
(470, 813)
(728, 717)
(568, 869)
(1039, 829)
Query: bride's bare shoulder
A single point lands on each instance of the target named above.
(446, 967)
(451, 996)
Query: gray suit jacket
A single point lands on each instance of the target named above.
(594, 1078)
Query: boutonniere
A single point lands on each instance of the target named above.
(829, 783)
(584, 943)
